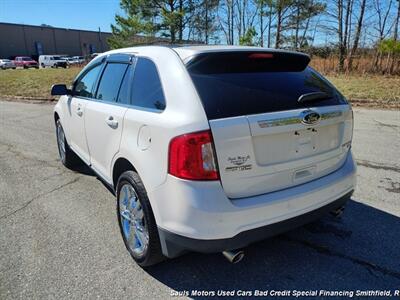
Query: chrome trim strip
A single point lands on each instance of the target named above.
(296, 120)
(331, 115)
(279, 122)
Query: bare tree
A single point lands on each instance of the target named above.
(357, 35)
(282, 10)
(341, 36)
(245, 17)
(381, 28)
(302, 14)
(338, 22)
(382, 15)
(226, 16)
(270, 14)
(265, 8)
(396, 22)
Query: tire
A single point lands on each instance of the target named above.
(132, 196)
(67, 156)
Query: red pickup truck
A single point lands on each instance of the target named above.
(25, 62)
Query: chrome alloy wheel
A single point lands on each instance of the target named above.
(61, 141)
(133, 222)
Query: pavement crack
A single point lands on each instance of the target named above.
(326, 251)
(53, 176)
(394, 126)
(370, 164)
(19, 154)
(38, 197)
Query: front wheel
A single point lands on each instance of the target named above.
(67, 156)
(136, 220)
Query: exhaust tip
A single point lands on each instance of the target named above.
(338, 212)
(234, 256)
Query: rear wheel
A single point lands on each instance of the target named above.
(67, 156)
(136, 220)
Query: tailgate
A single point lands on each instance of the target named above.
(267, 152)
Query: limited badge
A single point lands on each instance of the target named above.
(239, 163)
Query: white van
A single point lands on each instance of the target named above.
(53, 61)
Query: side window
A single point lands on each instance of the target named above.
(84, 86)
(147, 89)
(124, 92)
(111, 81)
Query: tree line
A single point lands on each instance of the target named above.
(346, 30)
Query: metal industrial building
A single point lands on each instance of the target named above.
(30, 40)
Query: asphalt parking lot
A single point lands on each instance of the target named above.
(59, 236)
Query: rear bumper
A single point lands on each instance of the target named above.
(199, 216)
(174, 245)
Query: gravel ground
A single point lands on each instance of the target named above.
(59, 236)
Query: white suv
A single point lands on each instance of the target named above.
(208, 148)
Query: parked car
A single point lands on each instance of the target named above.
(208, 148)
(74, 60)
(78, 59)
(26, 62)
(70, 60)
(53, 61)
(6, 64)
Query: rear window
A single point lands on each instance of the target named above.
(147, 88)
(234, 84)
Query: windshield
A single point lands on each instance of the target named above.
(26, 59)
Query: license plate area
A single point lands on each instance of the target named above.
(304, 174)
(282, 147)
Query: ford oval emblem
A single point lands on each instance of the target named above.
(310, 117)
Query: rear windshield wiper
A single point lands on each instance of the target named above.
(316, 96)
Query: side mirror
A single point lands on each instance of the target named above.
(59, 90)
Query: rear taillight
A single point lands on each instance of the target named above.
(348, 129)
(191, 156)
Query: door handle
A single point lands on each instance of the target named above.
(79, 111)
(111, 122)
